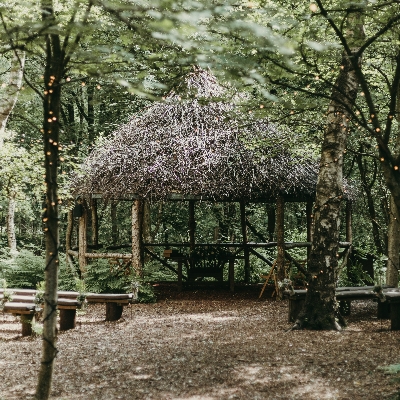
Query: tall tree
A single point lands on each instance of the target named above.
(320, 309)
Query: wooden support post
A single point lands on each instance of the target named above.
(309, 217)
(137, 243)
(271, 223)
(67, 319)
(83, 240)
(280, 236)
(245, 247)
(349, 232)
(113, 311)
(231, 274)
(180, 285)
(95, 222)
(68, 235)
(26, 322)
(192, 232)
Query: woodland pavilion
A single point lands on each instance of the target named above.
(192, 147)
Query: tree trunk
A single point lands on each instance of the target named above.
(9, 93)
(11, 238)
(392, 272)
(51, 107)
(320, 310)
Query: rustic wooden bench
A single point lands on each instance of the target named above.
(26, 311)
(66, 306)
(388, 305)
(114, 303)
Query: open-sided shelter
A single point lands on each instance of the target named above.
(195, 145)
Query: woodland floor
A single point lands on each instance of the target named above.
(206, 345)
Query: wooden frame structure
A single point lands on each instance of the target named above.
(139, 248)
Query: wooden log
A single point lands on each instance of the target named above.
(137, 247)
(108, 255)
(82, 241)
(231, 274)
(113, 311)
(180, 284)
(244, 238)
(67, 319)
(280, 236)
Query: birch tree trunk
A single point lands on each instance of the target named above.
(320, 310)
(11, 238)
(9, 90)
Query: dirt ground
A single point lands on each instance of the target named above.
(206, 345)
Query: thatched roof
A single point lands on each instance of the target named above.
(188, 146)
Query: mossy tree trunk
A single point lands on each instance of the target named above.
(320, 308)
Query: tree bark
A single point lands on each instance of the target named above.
(392, 271)
(51, 108)
(320, 310)
(9, 93)
(137, 247)
(11, 238)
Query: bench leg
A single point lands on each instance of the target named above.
(180, 280)
(26, 322)
(344, 307)
(231, 275)
(67, 319)
(395, 316)
(295, 306)
(113, 311)
(383, 310)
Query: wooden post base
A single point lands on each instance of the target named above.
(345, 307)
(295, 306)
(67, 319)
(383, 310)
(113, 311)
(231, 275)
(26, 322)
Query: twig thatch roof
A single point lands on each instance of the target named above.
(189, 146)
